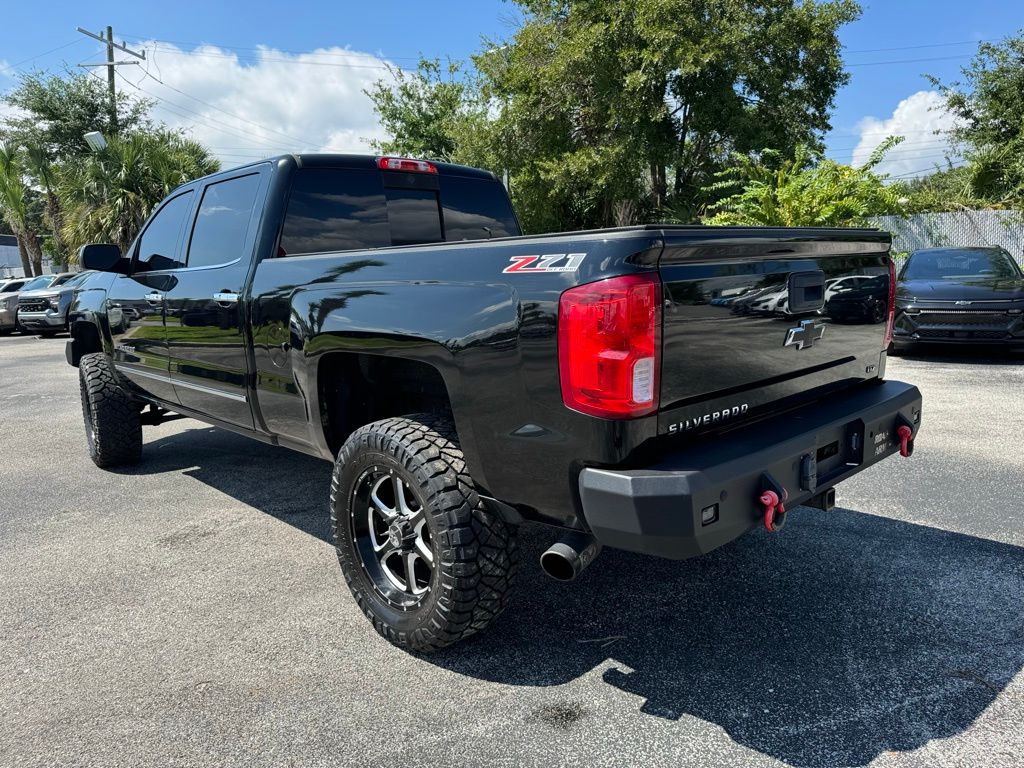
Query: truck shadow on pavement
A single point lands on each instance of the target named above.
(842, 637)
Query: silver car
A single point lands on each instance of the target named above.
(9, 290)
(44, 308)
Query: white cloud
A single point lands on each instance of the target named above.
(917, 118)
(270, 103)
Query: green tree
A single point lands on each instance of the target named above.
(606, 112)
(54, 113)
(16, 205)
(50, 118)
(948, 189)
(989, 103)
(805, 191)
(107, 196)
(422, 110)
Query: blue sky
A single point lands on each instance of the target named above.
(252, 103)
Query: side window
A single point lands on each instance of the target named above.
(332, 209)
(222, 222)
(158, 245)
(413, 216)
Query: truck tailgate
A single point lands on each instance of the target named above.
(755, 320)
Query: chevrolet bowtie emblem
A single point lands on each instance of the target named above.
(805, 334)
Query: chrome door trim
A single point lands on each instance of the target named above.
(180, 383)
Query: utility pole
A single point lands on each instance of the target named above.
(108, 40)
(110, 77)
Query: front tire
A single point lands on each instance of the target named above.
(426, 561)
(113, 425)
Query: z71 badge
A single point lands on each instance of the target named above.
(549, 262)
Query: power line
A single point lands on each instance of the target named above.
(229, 114)
(909, 61)
(149, 39)
(957, 164)
(267, 59)
(917, 47)
(899, 146)
(219, 125)
(17, 64)
(189, 114)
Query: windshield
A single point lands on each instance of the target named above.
(43, 281)
(956, 264)
(78, 279)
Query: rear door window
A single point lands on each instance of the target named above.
(222, 222)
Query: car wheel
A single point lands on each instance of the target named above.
(113, 425)
(426, 561)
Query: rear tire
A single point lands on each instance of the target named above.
(113, 424)
(428, 564)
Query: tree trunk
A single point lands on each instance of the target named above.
(56, 217)
(26, 265)
(35, 251)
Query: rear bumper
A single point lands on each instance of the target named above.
(658, 510)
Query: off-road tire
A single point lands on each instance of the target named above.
(113, 426)
(475, 550)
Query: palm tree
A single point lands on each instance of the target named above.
(44, 174)
(15, 204)
(107, 196)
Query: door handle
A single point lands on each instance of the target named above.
(226, 297)
(154, 298)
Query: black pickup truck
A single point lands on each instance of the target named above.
(660, 389)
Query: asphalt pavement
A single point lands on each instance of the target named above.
(190, 611)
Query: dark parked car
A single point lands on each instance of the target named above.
(958, 296)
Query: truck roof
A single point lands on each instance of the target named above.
(361, 162)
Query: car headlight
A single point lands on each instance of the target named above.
(11, 302)
(55, 302)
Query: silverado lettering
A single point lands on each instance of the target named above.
(708, 418)
(356, 309)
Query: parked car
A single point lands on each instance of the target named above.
(9, 290)
(45, 310)
(356, 309)
(959, 296)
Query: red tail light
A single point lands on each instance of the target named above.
(609, 346)
(405, 164)
(892, 303)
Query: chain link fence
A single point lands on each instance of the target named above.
(934, 230)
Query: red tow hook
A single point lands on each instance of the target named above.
(774, 511)
(906, 434)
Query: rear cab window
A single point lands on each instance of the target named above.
(339, 209)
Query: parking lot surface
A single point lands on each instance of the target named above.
(190, 611)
